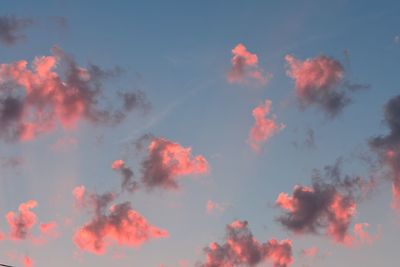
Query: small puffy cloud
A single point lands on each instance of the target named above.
(166, 161)
(318, 82)
(328, 206)
(116, 224)
(21, 223)
(264, 127)
(55, 91)
(245, 67)
(388, 146)
(240, 248)
(128, 184)
(11, 29)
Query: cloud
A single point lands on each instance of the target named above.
(22, 223)
(328, 206)
(264, 127)
(318, 82)
(11, 29)
(212, 207)
(242, 249)
(166, 161)
(388, 146)
(27, 261)
(118, 224)
(56, 91)
(128, 184)
(310, 252)
(245, 67)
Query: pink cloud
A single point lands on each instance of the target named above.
(22, 223)
(317, 82)
(118, 164)
(264, 127)
(166, 161)
(55, 91)
(245, 67)
(212, 207)
(310, 252)
(242, 249)
(27, 261)
(311, 209)
(119, 224)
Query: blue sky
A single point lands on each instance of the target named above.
(179, 53)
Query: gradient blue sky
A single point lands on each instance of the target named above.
(178, 53)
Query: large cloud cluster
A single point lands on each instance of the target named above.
(22, 223)
(56, 91)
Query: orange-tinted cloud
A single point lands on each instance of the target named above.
(264, 127)
(317, 82)
(56, 91)
(245, 67)
(118, 224)
(388, 146)
(242, 249)
(166, 161)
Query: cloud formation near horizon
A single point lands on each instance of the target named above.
(264, 127)
(56, 91)
(166, 161)
(245, 67)
(242, 249)
(111, 224)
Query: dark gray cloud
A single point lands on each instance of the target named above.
(388, 146)
(11, 29)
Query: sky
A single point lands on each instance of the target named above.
(199, 133)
